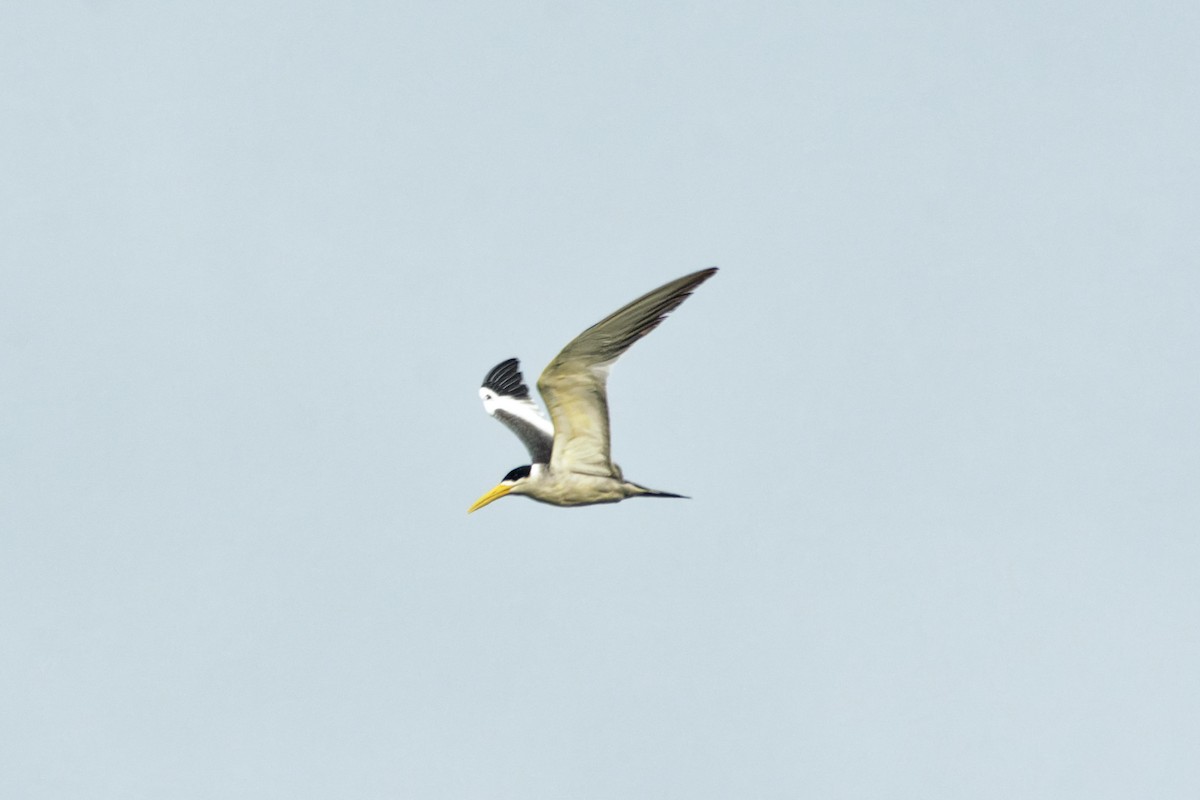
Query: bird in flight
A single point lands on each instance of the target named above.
(572, 463)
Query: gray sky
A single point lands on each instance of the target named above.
(937, 413)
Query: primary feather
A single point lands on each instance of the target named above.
(506, 397)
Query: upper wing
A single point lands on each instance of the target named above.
(506, 397)
(573, 385)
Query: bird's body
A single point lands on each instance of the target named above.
(579, 489)
(572, 463)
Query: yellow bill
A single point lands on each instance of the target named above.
(494, 494)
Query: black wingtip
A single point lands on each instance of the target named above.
(505, 379)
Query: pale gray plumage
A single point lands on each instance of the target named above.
(574, 384)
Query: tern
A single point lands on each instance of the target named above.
(572, 464)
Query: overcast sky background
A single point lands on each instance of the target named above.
(938, 412)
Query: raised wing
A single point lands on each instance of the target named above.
(574, 384)
(506, 397)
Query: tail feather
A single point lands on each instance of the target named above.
(642, 491)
